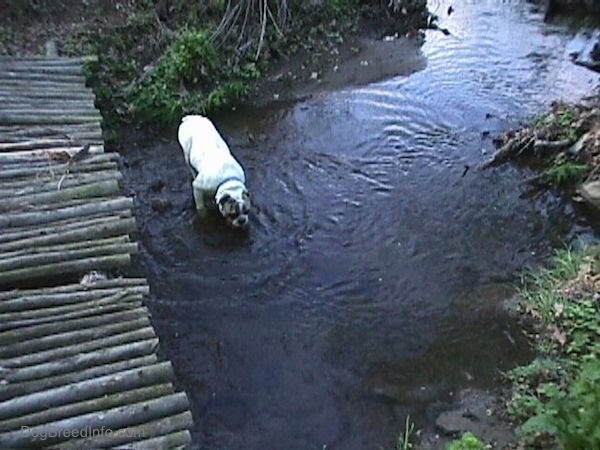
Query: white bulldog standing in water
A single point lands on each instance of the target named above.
(219, 178)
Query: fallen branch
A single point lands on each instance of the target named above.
(541, 145)
(513, 147)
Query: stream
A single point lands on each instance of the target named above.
(369, 285)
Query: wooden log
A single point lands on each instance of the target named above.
(46, 103)
(66, 291)
(57, 155)
(127, 380)
(25, 119)
(51, 168)
(63, 352)
(33, 131)
(47, 92)
(78, 249)
(136, 319)
(81, 361)
(114, 418)
(34, 171)
(79, 408)
(56, 181)
(40, 69)
(100, 189)
(114, 227)
(36, 76)
(177, 440)
(66, 111)
(8, 94)
(45, 217)
(28, 233)
(66, 267)
(35, 144)
(66, 181)
(13, 390)
(7, 60)
(41, 337)
(18, 320)
(31, 84)
(165, 433)
(55, 165)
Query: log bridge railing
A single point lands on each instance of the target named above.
(78, 359)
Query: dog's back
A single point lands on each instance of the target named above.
(197, 136)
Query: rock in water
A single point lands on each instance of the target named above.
(590, 192)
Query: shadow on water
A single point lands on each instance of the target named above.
(368, 286)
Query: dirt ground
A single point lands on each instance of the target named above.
(26, 25)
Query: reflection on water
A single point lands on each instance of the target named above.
(368, 285)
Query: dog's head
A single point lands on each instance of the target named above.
(235, 207)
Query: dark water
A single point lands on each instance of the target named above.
(368, 286)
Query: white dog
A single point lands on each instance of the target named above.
(219, 178)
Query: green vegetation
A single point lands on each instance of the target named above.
(191, 63)
(560, 122)
(406, 440)
(468, 441)
(564, 172)
(556, 398)
(169, 58)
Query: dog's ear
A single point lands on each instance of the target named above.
(224, 200)
(247, 198)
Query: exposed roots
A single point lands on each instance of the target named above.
(249, 20)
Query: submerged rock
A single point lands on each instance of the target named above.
(590, 192)
(476, 412)
(589, 56)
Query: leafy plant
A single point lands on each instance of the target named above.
(564, 172)
(468, 441)
(191, 77)
(557, 395)
(572, 416)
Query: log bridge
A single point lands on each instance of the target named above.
(78, 354)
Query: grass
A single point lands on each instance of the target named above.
(556, 397)
(406, 440)
(468, 441)
(564, 172)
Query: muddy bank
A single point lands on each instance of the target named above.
(156, 63)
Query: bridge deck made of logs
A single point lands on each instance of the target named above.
(78, 354)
